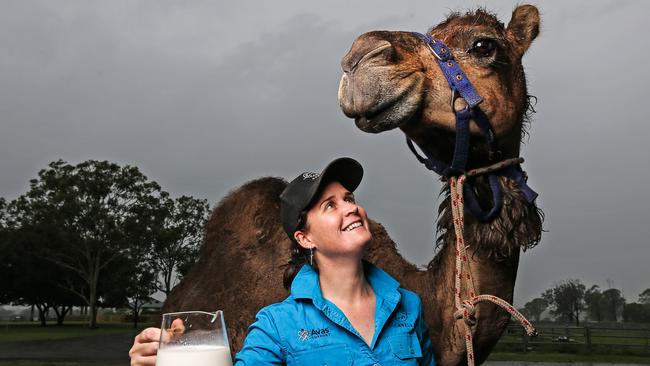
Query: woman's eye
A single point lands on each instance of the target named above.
(483, 47)
(329, 205)
(350, 199)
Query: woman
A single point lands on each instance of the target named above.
(341, 309)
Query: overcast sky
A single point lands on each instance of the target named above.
(203, 96)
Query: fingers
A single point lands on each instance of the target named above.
(175, 330)
(145, 348)
(148, 335)
(178, 327)
(178, 323)
(144, 361)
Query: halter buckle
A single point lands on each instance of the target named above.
(495, 155)
(434, 52)
(453, 98)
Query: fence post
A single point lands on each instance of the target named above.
(588, 337)
(525, 339)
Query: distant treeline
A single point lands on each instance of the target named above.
(571, 301)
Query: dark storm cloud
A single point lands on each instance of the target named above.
(205, 96)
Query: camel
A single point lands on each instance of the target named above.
(390, 80)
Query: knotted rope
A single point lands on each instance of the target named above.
(465, 309)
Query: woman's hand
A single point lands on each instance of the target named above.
(145, 347)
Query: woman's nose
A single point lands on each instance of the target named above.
(351, 208)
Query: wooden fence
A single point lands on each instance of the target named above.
(589, 339)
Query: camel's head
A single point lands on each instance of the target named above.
(391, 79)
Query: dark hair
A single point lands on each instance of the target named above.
(298, 256)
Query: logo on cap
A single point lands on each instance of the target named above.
(311, 176)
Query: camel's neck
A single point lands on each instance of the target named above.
(518, 224)
(493, 250)
(494, 258)
(493, 247)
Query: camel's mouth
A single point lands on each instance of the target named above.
(381, 120)
(376, 102)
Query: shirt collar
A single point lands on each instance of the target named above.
(306, 285)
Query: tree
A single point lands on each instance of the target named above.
(636, 313)
(644, 297)
(94, 212)
(33, 280)
(140, 289)
(606, 305)
(180, 232)
(593, 300)
(535, 307)
(131, 284)
(6, 261)
(613, 304)
(3, 214)
(566, 299)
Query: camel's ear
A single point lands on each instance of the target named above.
(523, 28)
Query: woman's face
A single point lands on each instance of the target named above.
(336, 225)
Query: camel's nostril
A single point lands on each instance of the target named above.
(365, 49)
(384, 51)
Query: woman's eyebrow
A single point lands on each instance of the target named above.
(325, 200)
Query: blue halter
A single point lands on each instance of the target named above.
(461, 86)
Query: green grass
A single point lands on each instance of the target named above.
(21, 332)
(565, 357)
(610, 343)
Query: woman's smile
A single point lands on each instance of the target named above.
(336, 224)
(353, 226)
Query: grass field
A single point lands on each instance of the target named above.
(604, 347)
(25, 331)
(569, 357)
(602, 343)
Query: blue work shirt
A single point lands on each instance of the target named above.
(307, 329)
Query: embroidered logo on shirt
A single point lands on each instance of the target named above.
(305, 334)
(400, 320)
(401, 316)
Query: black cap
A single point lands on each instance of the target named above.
(302, 191)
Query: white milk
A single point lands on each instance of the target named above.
(194, 356)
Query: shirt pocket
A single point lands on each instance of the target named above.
(330, 355)
(406, 346)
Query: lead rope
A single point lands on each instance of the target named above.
(465, 309)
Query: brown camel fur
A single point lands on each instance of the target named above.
(391, 80)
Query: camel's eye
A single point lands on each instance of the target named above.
(483, 47)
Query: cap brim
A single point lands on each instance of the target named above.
(346, 171)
